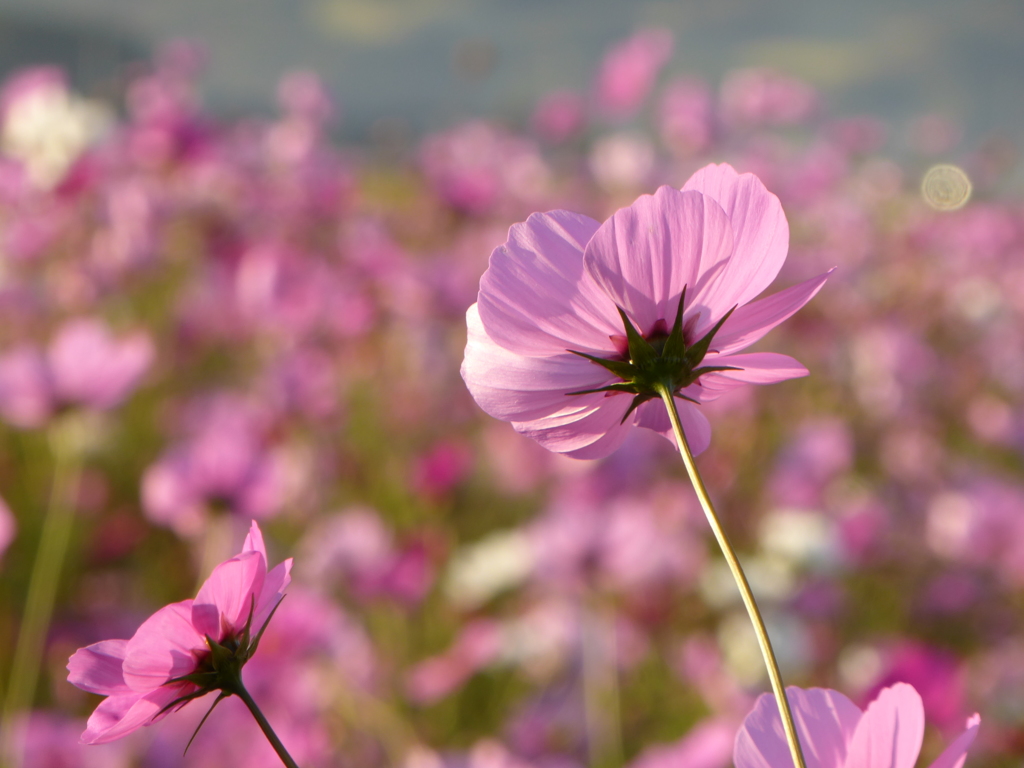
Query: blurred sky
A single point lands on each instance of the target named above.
(427, 63)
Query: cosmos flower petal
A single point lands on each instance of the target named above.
(224, 601)
(752, 321)
(754, 368)
(825, 721)
(760, 231)
(165, 646)
(254, 541)
(117, 716)
(136, 674)
(533, 296)
(97, 668)
(889, 734)
(955, 754)
(278, 578)
(644, 254)
(580, 426)
(515, 387)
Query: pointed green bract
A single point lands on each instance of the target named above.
(700, 348)
(675, 345)
(669, 363)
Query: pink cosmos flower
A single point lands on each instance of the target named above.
(567, 305)
(629, 70)
(835, 733)
(174, 656)
(84, 365)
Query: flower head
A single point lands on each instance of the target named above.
(578, 323)
(184, 650)
(835, 733)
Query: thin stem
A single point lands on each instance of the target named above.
(42, 591)
(741, 580)
(275, 742)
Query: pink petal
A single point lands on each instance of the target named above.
(707, 745)
(277, 580)
(652, 415)
(760, 232)
(534, 298)
(825, 721)
(254, 541)
(26, 396)
(164, 647)
(955, 754)
(97, 668)
(752, 321)
(224, 601)
(117, 716)
(890, 732)
(515, 387)
(577, 428)
(644, 254)
(755, 368)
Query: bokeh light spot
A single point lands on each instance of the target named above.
(946, 187)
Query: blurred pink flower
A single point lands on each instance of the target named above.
(558, 115)
(686, 116)
(629, 70)
(936, 674)
(83, 366)
(225, 461)
(546, 348)
(764, 97)
(144, 678)
(478, 644)
(442, 468)
(835, 733)
(708, 745)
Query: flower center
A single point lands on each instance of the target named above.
(660, 359)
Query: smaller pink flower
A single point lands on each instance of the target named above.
(630, 69)
(175, 655)
(835, 733)
(84, 366)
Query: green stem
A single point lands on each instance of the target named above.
(275, 742)
(741, 580)
(42, 591)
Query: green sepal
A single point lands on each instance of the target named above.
(637, 402)
(696, 353)
(223, 695)
(622, 386)
(712, 368)
(620, 368)
(641, 353)
(675, 345)
(183, 700)
(259, 635)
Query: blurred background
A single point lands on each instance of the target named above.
(237, 244)
(403, 66)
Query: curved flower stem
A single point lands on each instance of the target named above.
(42, 591)
(741, 580)
(240, 691)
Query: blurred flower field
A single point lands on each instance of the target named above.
(207, 322)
